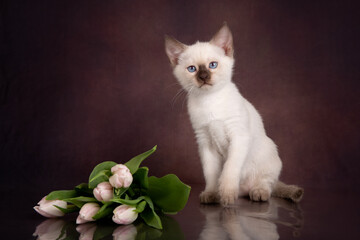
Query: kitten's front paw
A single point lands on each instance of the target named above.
(209, 197)
(259, 194)
(228, 196)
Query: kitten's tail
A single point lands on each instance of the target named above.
(291, 192)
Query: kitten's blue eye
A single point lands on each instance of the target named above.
(191, 68)
(213, 65)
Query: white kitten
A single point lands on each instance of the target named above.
(237, 156)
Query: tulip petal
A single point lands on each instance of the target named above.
(43, 213)
(80, 220)
(124, 214)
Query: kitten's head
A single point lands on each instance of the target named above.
(203, 66)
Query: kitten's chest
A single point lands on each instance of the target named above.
(203, 115)
(213, 119)
(207, 109)
(217, 136)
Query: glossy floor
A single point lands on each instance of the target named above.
(322, 214)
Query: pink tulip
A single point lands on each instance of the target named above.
(47, 208)
(87, 212)
(124, 214)
(118, 167)
(103, 192)
(121, 176)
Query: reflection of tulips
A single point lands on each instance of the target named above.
(87, 212)
(86, 231)
(103, 192)
(124, 214)
(52, 229)
(47, 208)
(49, 229)
(121, 176)
(125, 233)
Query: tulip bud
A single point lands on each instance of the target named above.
(87, 212)
(121, 176)
(103, 192)
(47, 208)
(124, 214)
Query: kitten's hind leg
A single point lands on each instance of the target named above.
(267, 167)
(263, 184)
(259, 194)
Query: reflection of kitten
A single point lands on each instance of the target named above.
(231, 223)
(237, 156)
(247, 220)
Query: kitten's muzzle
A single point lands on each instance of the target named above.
(203, 76)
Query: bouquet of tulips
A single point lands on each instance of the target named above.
(121, 191)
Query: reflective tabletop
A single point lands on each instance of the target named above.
(322, 214)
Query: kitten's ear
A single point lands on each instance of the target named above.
(173, 49)
(223, 38)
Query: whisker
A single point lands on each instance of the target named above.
(180, 93)
(177, 95)
(189, 91)
(182, 105)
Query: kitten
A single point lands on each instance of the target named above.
(237, 156)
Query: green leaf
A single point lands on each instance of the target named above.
(140, 207)
(168, 192)
(102, 178)
(104, 211)
(80, 201)
(141, 177)
(68, 209)
(130, 202)
(151, 218)
(61, 194)
(102, 173)
(135, 162)
(83, 189)
(118, 192)
(149, 215)
(149, 202)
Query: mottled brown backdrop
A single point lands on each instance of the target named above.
(88, 81)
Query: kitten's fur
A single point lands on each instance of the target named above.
(237, 156)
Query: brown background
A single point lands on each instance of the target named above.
(88, 81)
